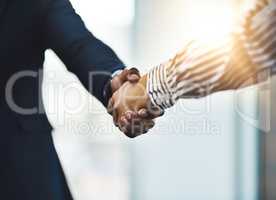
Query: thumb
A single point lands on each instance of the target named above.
(133, 75)
(133, 78)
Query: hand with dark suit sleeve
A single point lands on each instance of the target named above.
(90, 59)
(206, 67)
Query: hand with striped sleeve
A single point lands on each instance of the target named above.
(243, 58)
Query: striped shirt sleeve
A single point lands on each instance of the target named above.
(245, 57)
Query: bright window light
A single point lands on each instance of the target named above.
(209, 21)
(108, 12)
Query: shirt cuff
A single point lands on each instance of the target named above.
(117, 72)
(158, 88)
(107, 91)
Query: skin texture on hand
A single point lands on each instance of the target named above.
(131, 96)
(132, 110)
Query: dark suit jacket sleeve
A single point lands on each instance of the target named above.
(82, 53)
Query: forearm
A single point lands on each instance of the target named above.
(199, 71)
(192, 73)
(94, 65)
(244, 58)
(83, 54)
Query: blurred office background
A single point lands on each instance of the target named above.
(208, 149)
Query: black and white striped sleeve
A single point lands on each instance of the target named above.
(234, 62)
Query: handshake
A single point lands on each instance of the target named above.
(131, 107)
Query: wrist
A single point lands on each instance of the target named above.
(108, 89)
(158, 89)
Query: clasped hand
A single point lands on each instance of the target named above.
(131, 108)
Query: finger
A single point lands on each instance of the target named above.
(143, 113)
(140, 126)
(123, 121)
(132, 130)
(139, 131)
(128, 132)
(150, 124)
(132, 119)
(131, 115)
(155, 112)
(133, 133)
(129, 126)
(126, 123)
(150, 114)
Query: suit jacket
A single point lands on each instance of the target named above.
(29, 166)
(27, 29)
